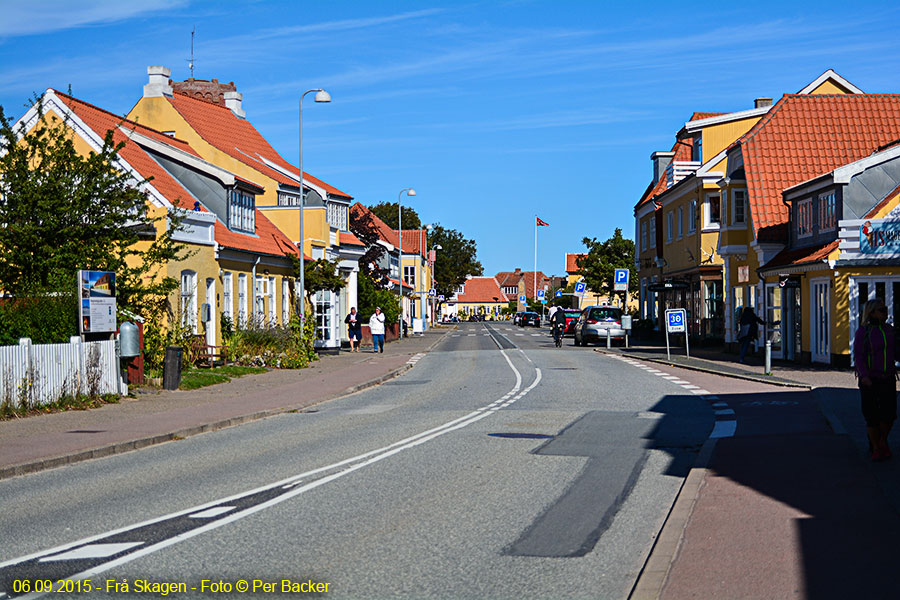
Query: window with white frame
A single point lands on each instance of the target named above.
(189, 300)
(227, 298)
(242, 299)
(409, 275)
(287, 199)
(285, 301)
(739, 207)
(670, 226)
(692, 215)
(680, 222)
(804, 218)
(712, 216)
(827, 212)
(510, 290)
(653, 231)
(644, 236)
(241, 211)
(337, 216)
(259, 306)
(272, 313)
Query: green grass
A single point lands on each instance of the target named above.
(191, 379)
(8, 411)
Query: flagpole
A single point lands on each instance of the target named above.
(534, 275)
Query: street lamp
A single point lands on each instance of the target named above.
(321, 96)
(436, 247)
(409, 192)
(423, 292)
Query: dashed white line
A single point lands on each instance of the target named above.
(723, 429)
(724, 411)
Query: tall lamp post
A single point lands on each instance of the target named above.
(321, 96)
(423, 291)
(409, 192)
(434, 248)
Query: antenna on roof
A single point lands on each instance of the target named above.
(191, 60)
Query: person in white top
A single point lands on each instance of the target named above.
(376, 327)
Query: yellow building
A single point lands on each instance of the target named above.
(209, 116)
(226, 257)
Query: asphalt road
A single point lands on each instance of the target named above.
(498, 467)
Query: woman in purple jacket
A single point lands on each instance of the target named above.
(873, 353)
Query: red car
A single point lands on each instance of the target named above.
(572, 315)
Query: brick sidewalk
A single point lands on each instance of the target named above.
(46, 441)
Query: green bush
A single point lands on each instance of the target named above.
(286, 347)
(47, 317)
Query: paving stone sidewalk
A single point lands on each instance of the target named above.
(152, 417)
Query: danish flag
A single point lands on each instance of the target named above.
(540, 223)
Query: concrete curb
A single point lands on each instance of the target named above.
(652, 578)
(780, 383)
(136, 444)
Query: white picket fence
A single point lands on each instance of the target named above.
(42, 373)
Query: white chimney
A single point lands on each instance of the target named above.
(159, 82)
(233, 101)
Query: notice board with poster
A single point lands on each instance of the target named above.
(97, 301)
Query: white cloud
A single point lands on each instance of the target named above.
(27, 17)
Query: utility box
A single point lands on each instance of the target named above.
(172, 368)
(129, 340)
(205, 313)
(626, 322)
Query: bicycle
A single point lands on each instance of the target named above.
(557, 336)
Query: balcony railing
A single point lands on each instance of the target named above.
(679, 169)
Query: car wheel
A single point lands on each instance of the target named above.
(575, 340)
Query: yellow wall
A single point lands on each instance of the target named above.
(830, 86)
(718, 137)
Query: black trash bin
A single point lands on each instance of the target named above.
(172, 368)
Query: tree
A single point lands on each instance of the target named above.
(603, 258)
(62, 211)
(387, 212)
(369, 296)
(320, 275)
(456, 260)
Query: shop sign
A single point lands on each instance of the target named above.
(97, 307)
(877, 236)
(743, 273)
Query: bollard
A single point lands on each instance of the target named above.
(608, 339)
(768, 357)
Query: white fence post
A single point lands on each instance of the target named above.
(75, 340)
(28, 378)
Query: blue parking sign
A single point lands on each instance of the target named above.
(580, 287)
(523, 299)
(620, 283)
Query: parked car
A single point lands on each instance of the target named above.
(517, 318)
(572, 315)
(595, 321)
(530, 318)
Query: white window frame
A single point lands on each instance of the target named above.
(189, 299)
(708, 222)
(670, 226)
(409, 275)
(272, 314)
(692, 215)
(804, 218)
(643, 236)
(259, 299)
(734, 207)
(242, 300)
(228, 295)
(680, 222)
(285, 301)
(828, 212)
(652, 231)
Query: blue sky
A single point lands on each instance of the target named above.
(493, 111)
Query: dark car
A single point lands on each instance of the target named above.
(530, 318)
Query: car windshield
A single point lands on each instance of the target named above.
(604, 313)
(573, 314)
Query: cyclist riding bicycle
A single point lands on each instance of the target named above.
(558, 325)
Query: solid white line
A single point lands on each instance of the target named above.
(723, 429)
(371, 458)
(212, 512)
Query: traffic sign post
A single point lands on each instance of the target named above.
(620, 283)
(676, 322)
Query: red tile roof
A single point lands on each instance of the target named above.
(571, 262)
(800, 256)
(384, 232)
(803, 136)
(682, 150)
(414, 241)
(512, 278)
(482, 289)
(239, 139)
(346, 238)
(268, 238)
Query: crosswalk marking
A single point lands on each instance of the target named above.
(92, 551)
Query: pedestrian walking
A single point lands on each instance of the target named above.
(354, 329)
(376, 326)
(873, 354)
(748, 330)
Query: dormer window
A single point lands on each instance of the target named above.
(286, 199)
(804, 218)
(827, 212)
(241, 211)
(338, 216)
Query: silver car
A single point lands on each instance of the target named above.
(594, 323)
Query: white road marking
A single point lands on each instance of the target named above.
(689, 386)
(92, 551)
(212, 512)
(724, 411)
(720, 404)
(700, 392)
(361, 461)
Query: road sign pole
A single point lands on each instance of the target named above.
(668, 353)
(687, 346)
